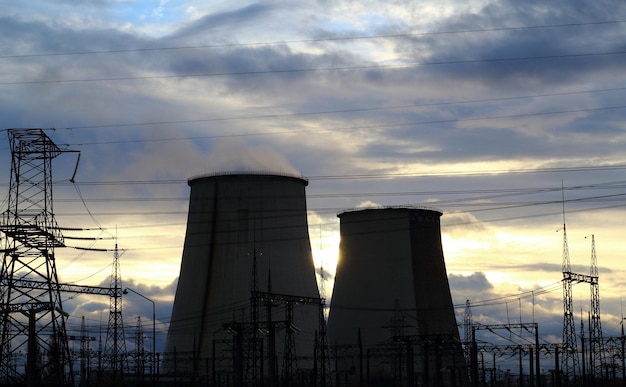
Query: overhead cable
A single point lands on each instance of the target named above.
(316, 40)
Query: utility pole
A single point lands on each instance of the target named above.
(32, 321)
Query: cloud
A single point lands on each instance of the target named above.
(475, 282)
(369, 204)
(91, 306)
(88, 3)
(456, 223)
(159, 11)
(505, 41)
(230, 18)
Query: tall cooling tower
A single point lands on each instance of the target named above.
(392, 298)
(245, 233)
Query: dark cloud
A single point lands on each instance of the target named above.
(548, 267)
(476, 282)
(232, 19)
(499, 52)
(45, 40)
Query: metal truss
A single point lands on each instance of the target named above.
(32, 320)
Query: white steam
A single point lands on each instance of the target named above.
(233, 155)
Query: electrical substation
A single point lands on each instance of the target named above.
(248, 312)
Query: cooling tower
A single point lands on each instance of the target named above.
(392, 298)
(245, 233)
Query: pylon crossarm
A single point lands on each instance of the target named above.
(26, 308)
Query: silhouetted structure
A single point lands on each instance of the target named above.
(32, 320)
(570, 363)
(391, 290)
(247, 297)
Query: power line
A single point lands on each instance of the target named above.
(494, 193)
(587, 168)
(196, 138)
(317, 40)
(457, 224)
(457, 202)
(517, 217)
(298, 114)
(514, 297)
(314, 69)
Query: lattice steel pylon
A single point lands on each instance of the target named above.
(84, 353)
(140, 353)
(570, 365)
(596, 343)
(115, 344)
(290, 363)
(254, 347)
(467, 330)
(32, 321)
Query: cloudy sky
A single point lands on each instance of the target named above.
(499, 114)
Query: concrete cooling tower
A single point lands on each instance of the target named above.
(247, 304)
(392, 299)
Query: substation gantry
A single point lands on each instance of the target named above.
(248, 346)
(533, 351)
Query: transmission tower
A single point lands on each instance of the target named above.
(32, 321)
(596, 346)
(254, 346)
(290, 364)
(467, 328)
(115, 344)
(84, 353)
(397, 327)
(322, 340)
(139, 348)
(569, 360)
